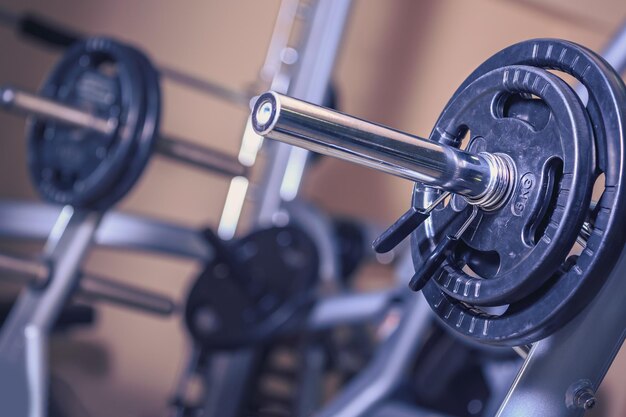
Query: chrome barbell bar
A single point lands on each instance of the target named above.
(484, 179)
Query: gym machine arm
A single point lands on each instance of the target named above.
(126, 231)
(117, 230)
(22, 102)
(24, 335)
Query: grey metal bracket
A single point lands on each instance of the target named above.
(24, 336)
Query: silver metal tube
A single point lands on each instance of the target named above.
(121, 231)
(615, 51)
(106, 289)
(33, 271)
(200, 156)
(32, 104)
(24, 334)
(387, 368)
(54, 34)
(209, 87)
(183, 151)
(328, 132)
(26, 270)
(308, 80)
(350, 308)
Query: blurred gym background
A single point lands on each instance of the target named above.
(400, 63)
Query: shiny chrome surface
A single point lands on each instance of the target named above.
(485, 180)
(32, 104)
(307, 79)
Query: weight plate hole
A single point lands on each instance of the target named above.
(528, 108)
(478, 263)
(585, 233)
(598, 186)
(580, 89)
(538, 223)
(466, 139)
(108, 68)
(494, 311)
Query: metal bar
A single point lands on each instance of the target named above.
(29, 271)
(227, 379)
(351, 308)
(315, 128)
(285, 164)
(200, 156)
(281, 34)
(33, 105)
(387, 369)
(37, 273)
(29, 104)
(581, 351)
(316, 69)
(615, 51)
(35, 221)
(522, 351)
(179, 398)
(208, 87)
(308, 78)
(278, 75)
(53, 34)
(24, 335)
(106, 289)
(313, 364)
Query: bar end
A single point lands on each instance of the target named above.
(265, 113)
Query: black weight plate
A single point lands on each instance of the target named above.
(516, 248)
(252, 288)
(70, 165)
(569, 290)
(147, 135)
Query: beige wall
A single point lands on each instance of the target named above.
(401, 61)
